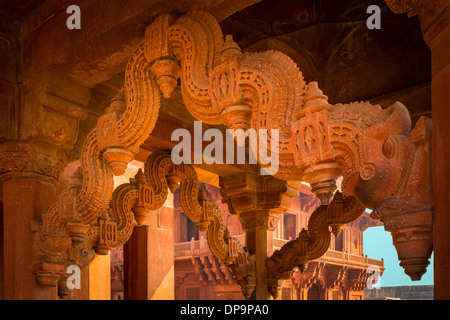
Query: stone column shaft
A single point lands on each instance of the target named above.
(148, 259)
(23, 202)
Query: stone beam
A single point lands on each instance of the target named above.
(107, 38)
(417, 98)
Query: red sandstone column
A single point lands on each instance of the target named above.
(440, 102)
(435, 24)
(259, 202)
(434, 17)
(258, 227)
(148, 258)
(23, 202)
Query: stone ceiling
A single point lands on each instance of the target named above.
(329, 41)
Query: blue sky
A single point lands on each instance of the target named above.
(377, 244)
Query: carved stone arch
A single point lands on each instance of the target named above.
(163, 174)
(316, 289)
(244, 89)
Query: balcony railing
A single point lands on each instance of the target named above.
(200, 247)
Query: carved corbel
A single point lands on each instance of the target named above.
(315, 277)
(408, 214)
(246, 192)
(160, 171)
(357, 279)
(82, 212)
(311, 244)
(369, 146)
(373, 147)
(336, 276)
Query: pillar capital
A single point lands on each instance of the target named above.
(259, 219)
(259, 201)
(25, 160)
(250, 195)
(53, 106)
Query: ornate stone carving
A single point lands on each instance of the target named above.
(19, 159)
(247, 192)
(374, 149)
(384, 163)
(159, 170)
(62, 236)
(311, 244)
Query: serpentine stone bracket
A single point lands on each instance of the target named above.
(162, 174)
(314, 242)
(80, 223)
(384, 162)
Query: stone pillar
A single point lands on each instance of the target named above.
(1, 251)
(148, 257)
(24, 201)
(259, 202)
(38, 128)
(100, 278)
(434, 17)
(259, 226)
(438, 37)
(29, 187)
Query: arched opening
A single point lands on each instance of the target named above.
(289, 226)
(314, 292)
(188, 229)
(339, 242)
